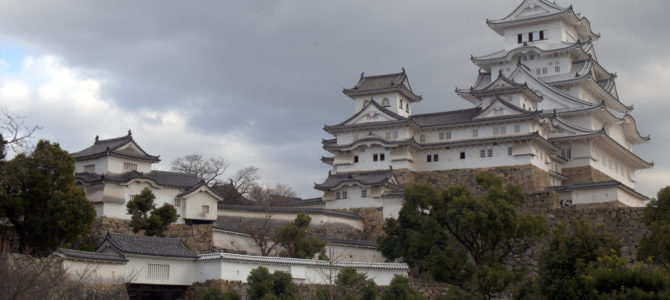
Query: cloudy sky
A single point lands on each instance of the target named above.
(255, 81)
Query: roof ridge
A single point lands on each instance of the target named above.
(443, 112)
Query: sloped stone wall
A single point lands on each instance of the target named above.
(529, 177)
(583, 174)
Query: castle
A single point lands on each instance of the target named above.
(543, 107)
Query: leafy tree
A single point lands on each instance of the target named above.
(464, 239)
(145, 216)
(214, 293)
(351, 285)
(656, 244)
(570, 249)
(40, 200)
(611, 277)
(400, 288)
(294, 239)
(278, 285)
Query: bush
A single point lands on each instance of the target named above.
(214, 293)
(400, 289)
(278, 285)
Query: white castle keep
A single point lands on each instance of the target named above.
(543, 103)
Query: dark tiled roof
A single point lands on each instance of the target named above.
(111, 147)
(163, 178)
(365, 179)
(594, 185)
(447, 117)
(291, 210)
(87, 255)
(363, 243)
(394, 194)
(146, 245)
(369, 85)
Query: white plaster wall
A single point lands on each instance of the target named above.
(629, 199)
(98, 272)
(316, 218)
(391, 207)
(181, 272)
(193, 206)
(552, 29)
(100, 165)
(115, 165)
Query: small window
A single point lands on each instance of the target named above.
(89, 168)
(400, 104)
(568, 153)
(542, 35)
(441, 135)
(517, 128)
(538, 71)
(447, 135)
(429, 158)
(406, 107)
(382, 157)
(344, 195)
(355, 158)
(129, 166)
(422, 138)
(385, 102)
(205, 209)
(495, 130)
(375, 157)
(462, 155)
(503, 130)
(436, 157)
(482, 153)
(337, 195)
(519, 38)
(530, 36)
(177, 202)
(557, 69)
(510, 150)
(489, 152)
(131, 197)
(475, 132)
(395, 134)
(388, 135)
(545, 70)
(364, 193)
(156, 271)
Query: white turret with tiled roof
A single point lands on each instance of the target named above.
(544, 104)
(113, 171)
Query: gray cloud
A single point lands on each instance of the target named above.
(280, 65)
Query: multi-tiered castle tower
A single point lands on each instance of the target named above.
(546, 115)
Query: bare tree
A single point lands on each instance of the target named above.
(262, 232)
(245, 180)
(16, 134)
(207, 170)
(277, 195)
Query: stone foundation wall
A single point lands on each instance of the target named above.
(529, 177)
(198, 237)
(373, 221)
(583, 174)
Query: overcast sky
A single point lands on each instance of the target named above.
(255, 81)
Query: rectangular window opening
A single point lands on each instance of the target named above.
(129, 166)
(89, 168)
(156, 271)
(489, 152)
(364, 193)
(519, 38)
(429, 158)
(462, 155)
(344, 195)
(436, 157)
(510, 150)
(542, 35)
(337, 195)
(374, 157)
(382, 157)
(482, 153)
(355, 158)
(530, 36)
(475, 132)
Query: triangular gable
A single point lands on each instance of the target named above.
(533, 8)
(499, 108)
(553, 98)
(373, 112)
(202, 188)
(131, 147)
(499, 83)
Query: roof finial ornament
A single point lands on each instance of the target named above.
(403, 69)
(362, 73)
(554, 112)
(96, 138)
(129, 133)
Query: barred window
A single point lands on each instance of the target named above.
(509, 150)
(422, 138)
(395, 134)
(517, 128)
(482, 153)
(89, 168)
(364, 193)
(489, 152)
(344, 195)
(337, 195)
(156, 271)
(129, 166)
(205, 209)
(177, 202)
(475, 132)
